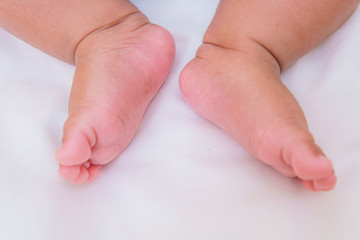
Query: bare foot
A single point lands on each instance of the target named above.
(119, 70)
(241, 91)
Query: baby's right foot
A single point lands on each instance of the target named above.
(241, 91)
(119, 70)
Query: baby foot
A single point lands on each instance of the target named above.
(241, 91)
(119, 69)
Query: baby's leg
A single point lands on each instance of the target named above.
(234, 80)
(121, 62)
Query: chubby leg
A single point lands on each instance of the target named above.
(234, 80)
(121, 62)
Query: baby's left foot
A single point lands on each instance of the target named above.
(119, 71)
(241, 92)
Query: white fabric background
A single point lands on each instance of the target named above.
(181, 177)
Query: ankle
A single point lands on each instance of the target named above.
(110, 33)
(242, 44)
(250, 54)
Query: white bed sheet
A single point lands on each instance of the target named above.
(181, 177)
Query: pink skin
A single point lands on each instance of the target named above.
(247, 99)
(234, 80)
(119, 71)
(121, 62)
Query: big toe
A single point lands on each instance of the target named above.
(310, 165)
(74, 154)
(76, 145)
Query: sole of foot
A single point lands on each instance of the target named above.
(241, 92)
(119, 70)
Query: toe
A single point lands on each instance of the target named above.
(77, 143)
(325, 184)
(312, 167)
(74, 151)
(309, 185)
(69, 172)
(80, 174)
(307, 161)
(94, 171)
(83, 176)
